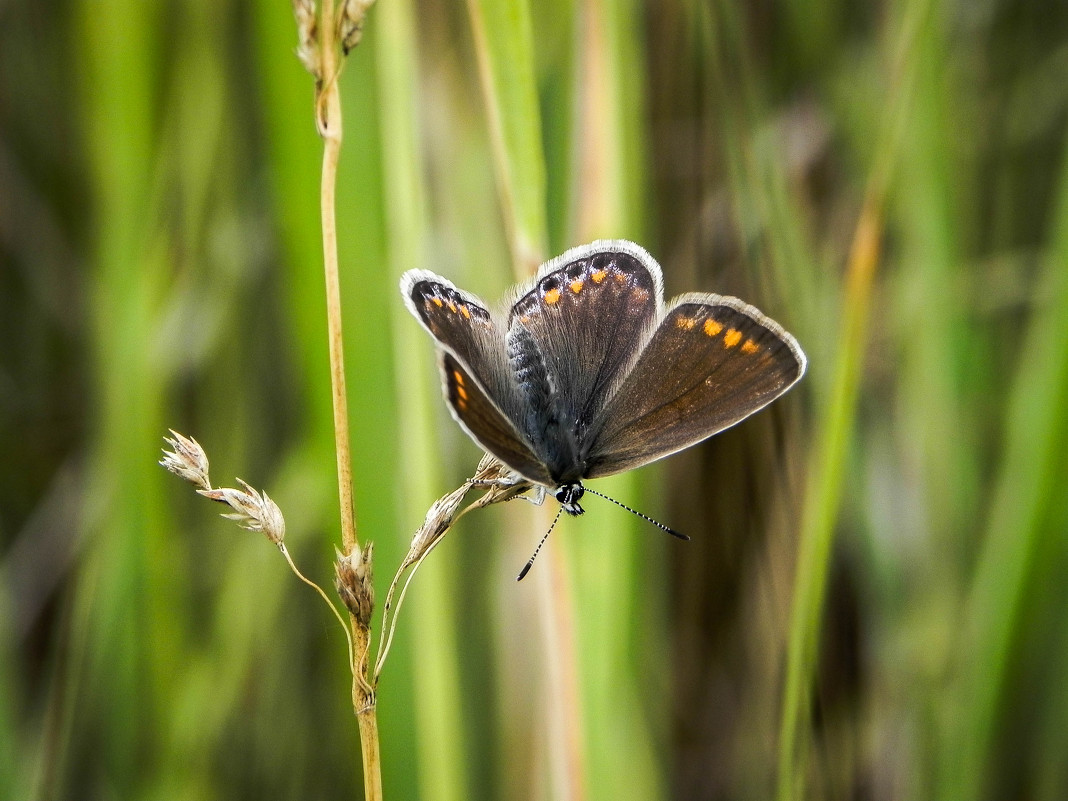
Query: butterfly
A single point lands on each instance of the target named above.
(590, 374)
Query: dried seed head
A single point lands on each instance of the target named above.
(501, 483)
(308, 36)
(186, 459)
(438, 519)
(352, 14)
(353, 579)
(252, 510)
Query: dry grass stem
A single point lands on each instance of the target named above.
(323, 595)
(500, 484)
(252, 509)
(353, 569)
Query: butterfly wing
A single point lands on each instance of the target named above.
(477, 382)
(483, 421)
(711, 363)
(577, 332)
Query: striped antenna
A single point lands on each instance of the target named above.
(656, 523)
(530, 562)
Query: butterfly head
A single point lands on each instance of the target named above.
(569, 495)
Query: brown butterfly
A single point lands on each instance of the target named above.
(590, 374)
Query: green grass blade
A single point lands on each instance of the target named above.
(828, 466)
(821, 504)
(116, 617)
(432, 614)
(505, 49)
(1036, 437)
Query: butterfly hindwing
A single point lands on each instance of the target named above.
(710, 363)
(484, 422)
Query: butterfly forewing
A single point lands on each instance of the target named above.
(711, 363)
(586, 314)
(464, 327)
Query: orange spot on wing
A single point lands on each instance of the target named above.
(599, 275)
(452, 307)
(576, 285)
(712, 327)
(749, 346)
(437, 302)
(552, 296)
(732, 337)
(685, 323)
(465, 312)
(461, 392)
(459, 377)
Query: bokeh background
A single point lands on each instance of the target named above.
(873, 603)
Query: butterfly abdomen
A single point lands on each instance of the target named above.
(535, 385)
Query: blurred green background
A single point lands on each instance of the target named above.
(873, 603)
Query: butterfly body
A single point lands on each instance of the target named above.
(590, 374)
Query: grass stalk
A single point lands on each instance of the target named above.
(329, 123)
(328, 113)
(565, 703)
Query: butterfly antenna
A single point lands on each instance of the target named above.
(530, 562)
(656, 523)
